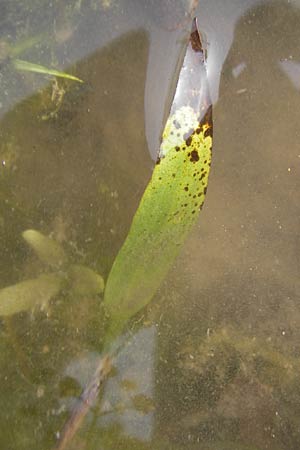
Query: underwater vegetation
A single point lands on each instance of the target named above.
(8, 55)
(27, 66)
(165, 215)
(167, 210)
(226, 386)
(173, 198)
(36, 293)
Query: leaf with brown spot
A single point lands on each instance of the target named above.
(167, 210)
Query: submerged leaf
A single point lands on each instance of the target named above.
(172, 199)
(29, 294)
(27, 66)
(48, 250)
(85, 281)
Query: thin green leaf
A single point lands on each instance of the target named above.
(27, 66)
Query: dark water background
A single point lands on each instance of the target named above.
(213, 363)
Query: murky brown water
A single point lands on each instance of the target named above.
(213, 363)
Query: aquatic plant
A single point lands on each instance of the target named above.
(36, 293)
(168, 209)
(9, 54)
(173, 198)
(27, 66)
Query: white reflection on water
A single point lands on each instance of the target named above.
(134, 365)
(132, 380)
(217, 21)
(237, 70)
(292, 71)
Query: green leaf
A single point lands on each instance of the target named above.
(172, 200)
(85, 281)
(27, 66)
(48, 250)
(29, 294)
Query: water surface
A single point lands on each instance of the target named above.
(213, 361)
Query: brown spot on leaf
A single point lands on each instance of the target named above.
(189, 141)
(207, 119)
(208, 132)
(194, 156)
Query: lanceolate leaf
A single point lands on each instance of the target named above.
(27, 66)
(173, 197)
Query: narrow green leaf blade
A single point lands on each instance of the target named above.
(27, 66)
